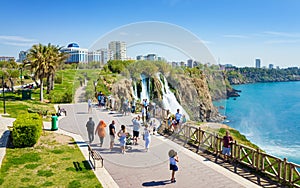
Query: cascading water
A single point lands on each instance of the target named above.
(134, 90)
(169, 100)
(144, 92)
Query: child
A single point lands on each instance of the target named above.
(147, 137)
(173, 167)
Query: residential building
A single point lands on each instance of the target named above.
(117, 50)
(6, 58)
(190, 63)
(22, 56)
(149, 57)
(271, 66)
(94, 57)
(103, 55)
(257, 63)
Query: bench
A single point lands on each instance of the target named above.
(95, 156)
(60, 111)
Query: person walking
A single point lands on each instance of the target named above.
(101, 131)
(173, 164)
(122, 134)
(90, 125)
(147, 137)
(177, 117)
(133, 104)
(112, 134)
(227, 140)
(136, 128)
(90, 106)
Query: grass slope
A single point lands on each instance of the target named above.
(54, 162)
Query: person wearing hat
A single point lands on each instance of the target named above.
(173, 166)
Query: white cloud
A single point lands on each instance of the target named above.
(282, 41)
(18, 44)
(236, 36)
(282, 34)
(16, 40)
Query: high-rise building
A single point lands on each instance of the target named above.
(190, 63)
(22, 56)
(77, 55)
(103, 55)
(257, 63)
(117, 50)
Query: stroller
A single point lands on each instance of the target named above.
(129, 139)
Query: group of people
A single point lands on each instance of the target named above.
(122, 134)
(175, 122)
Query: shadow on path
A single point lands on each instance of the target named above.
(156, 183)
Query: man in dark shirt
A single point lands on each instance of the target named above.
(227, 140)
(112, 133)
(90, 125)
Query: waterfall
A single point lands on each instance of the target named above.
(145, 87)
(169, 100)
(134, 90)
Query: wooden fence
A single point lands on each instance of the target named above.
(281, 170)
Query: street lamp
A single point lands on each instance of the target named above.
(4, 107)
(21, 76)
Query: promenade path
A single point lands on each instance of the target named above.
(138, 168)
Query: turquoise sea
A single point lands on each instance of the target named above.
(268, 114)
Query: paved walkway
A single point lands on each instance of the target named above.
(138, 168)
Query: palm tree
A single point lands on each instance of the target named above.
(37, 57)
(44, 61)
(55, 61)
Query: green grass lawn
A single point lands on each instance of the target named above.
(55, 161)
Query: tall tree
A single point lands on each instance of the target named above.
(37, 58)
(44, 61)
(55, 60)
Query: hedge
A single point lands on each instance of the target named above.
(27, 129)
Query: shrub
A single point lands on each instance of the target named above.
(58, 79)
(27, 129)
(61, 97)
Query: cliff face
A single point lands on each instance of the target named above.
(191, 92)
(122, 89)
(195, 97)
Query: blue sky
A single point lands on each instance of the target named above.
(235, 31)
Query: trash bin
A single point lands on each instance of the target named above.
(26, 94)
(54, 123)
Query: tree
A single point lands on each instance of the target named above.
(55, 60)
(44, 61)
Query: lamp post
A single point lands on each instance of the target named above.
(4, 107)
(21, 77)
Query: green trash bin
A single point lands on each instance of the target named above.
(54, 123)
(26, 94)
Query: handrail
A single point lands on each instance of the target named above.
(283, 171)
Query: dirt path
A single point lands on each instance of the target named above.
(80, 94)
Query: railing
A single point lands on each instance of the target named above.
(281, 170)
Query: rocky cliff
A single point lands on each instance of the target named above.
(192, 93)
